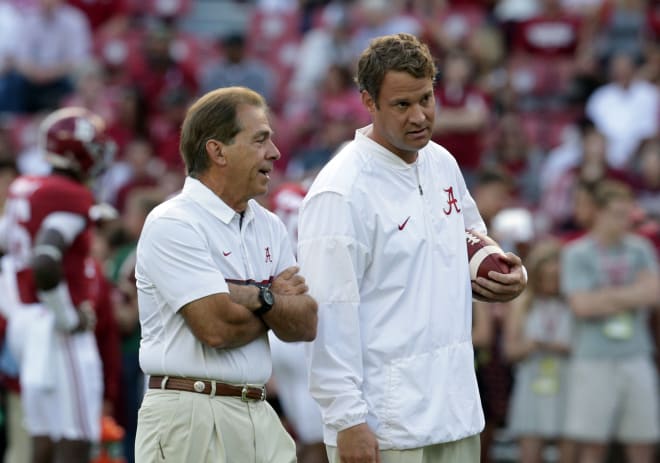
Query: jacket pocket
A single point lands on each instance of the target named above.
(432, 397)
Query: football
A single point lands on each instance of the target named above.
(484, 255)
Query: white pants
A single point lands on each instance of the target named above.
(61, 376)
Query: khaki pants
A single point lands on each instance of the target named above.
(462, 451)
(178, 427)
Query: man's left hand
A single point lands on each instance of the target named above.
(501, 287)
(289, 282)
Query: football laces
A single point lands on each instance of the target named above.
(472, 238)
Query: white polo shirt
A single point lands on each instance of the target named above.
(387, 264)
(190, 246)
(634, 118)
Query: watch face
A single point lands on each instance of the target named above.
(267, 296)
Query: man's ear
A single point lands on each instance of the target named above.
(215, 151)
(368, 101)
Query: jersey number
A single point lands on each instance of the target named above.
(19, 242)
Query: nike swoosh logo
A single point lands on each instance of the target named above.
(403, 225)
(226, 253)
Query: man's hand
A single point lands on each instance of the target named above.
(289, 283)
(502, 287)
(357, 445)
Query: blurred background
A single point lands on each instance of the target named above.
(538, 100)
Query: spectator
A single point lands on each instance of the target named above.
(53, 42)
(583, 213)
(382, 224)
(486, 49)
(637, 104)
(492, 193)
(650, 69)
(52, 335)
(646, 178)
(557, 200)
(321, 47)
(586, 77)
(623, 29)
(238, 69)
(131, 118)
(204, 326)
(567, 155)
(538, 331)
(141, 170)
(462, 114)
(330, 119)
(165, 127)
(517, 157)
(610, 278)
(10, 28)
(156, 72)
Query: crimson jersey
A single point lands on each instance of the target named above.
(32, 199)
(466, 147)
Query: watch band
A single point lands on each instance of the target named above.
(267, 300)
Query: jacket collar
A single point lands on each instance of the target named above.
(382, 154)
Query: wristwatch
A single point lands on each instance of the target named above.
(267, 300)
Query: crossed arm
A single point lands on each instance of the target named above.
(225, 320)
(644, 291)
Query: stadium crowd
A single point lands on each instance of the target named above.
(550, 107)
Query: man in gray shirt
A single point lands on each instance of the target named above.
(610, 278)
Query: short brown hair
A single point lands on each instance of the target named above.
(611, 190)
(398, 52)
(213, 116)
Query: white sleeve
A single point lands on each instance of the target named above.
(68, 224)
(177, 260)
(333, 259)
(471, 215)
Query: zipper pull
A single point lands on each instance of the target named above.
(419, 183)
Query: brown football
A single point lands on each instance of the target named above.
(484, 255)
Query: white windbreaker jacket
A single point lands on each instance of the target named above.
(382, 246)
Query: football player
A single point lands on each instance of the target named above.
(48, 236)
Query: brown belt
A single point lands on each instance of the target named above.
(211, 388)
